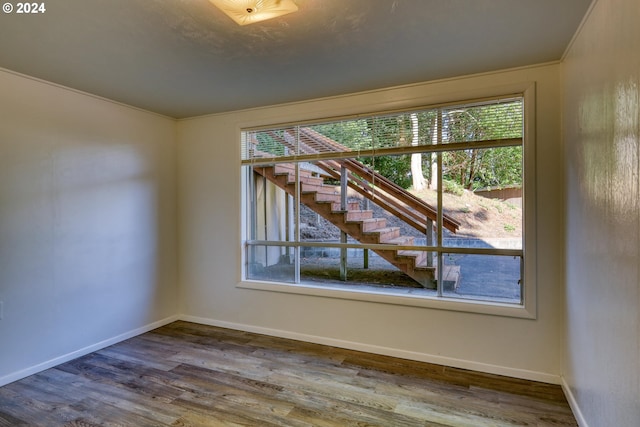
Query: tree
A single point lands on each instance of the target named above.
(416, 158)
(479, 168)
(471, 168)
(433, 177)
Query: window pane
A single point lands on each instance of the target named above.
(455, 124)
(271, 263)
(483, 192)
(378, 202)
(353, 134)
(270, 143)
(482, 122)
(365, 268)
(320, 198)
(364, 182)
(483, 277)
(392, 198)
(272, 207)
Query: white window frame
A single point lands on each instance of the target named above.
(528, 308)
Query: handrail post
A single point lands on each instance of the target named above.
(343, 235)
(429, 235)
(365, 260)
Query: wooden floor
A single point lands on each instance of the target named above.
(186, 374)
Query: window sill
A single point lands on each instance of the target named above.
(404, 299)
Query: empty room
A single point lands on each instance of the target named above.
(320, 213)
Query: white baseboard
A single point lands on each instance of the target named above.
(83, 351)
(404, 354)
(573, 403)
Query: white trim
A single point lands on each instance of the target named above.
(414, 98)
(83, 351)
(383, 297)
(530, 202)
(528, 309)
(386, 351)
(573, 403)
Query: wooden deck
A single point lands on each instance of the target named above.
(186, 374)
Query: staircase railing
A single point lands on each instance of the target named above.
(367, 182)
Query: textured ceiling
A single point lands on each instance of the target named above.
(185, 58)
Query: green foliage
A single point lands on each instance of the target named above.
(452, 187)
(483, 122)
(510, 228)
(395, 168)
(462, 169)
(481, 168)
(269, 142)
(353, 134)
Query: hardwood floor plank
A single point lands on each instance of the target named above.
(456, 376)
(104, 414)
(80, 423)
(7, 420)
(142, 355)
(36, 400)
(191, 375)
(127, 387)
(100, 368)
(233, 412)
(195, 378)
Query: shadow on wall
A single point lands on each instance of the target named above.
(80, 228)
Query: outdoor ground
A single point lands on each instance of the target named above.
(479, 216)
(480, 276)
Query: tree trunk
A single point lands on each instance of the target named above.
(416, 158)
(433, 179)
(472, 169)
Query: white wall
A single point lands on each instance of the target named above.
(209, 200)
(87, 222)
(601, 74)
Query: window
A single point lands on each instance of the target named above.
(425, 204)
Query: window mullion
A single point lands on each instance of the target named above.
(439, 219)
(296, 203)
(423, 149)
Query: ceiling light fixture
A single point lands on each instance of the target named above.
(249, 11)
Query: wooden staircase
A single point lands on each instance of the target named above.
(360, 224)
(325, 200)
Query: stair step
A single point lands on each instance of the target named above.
(306, 187)
(401, 241)
(321, 197)
(450, 275)
(360, 224)
(373, 224)
(419, 257)
(358, 215)
(386, 234)
(290, 173)
(426, 276)
(285, 169)
(351, 206)
(313, 180)
(291, 168)
(291, 179)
